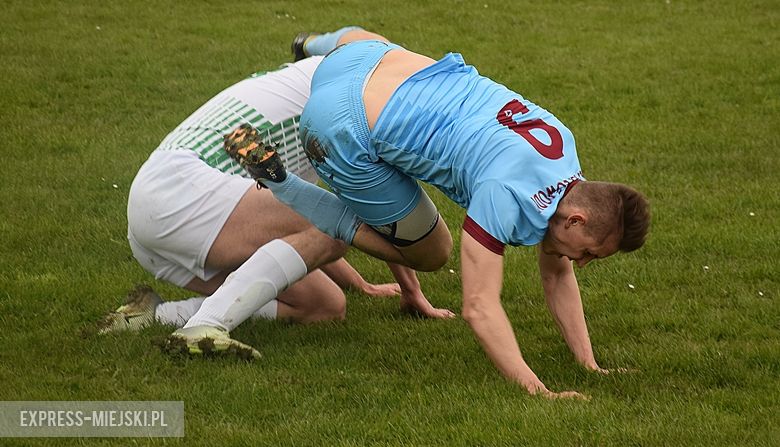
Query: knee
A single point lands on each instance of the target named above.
(431, 261)
(330, 308)
(337, 309)
(431, 256)
(335, 249)
(326, 250)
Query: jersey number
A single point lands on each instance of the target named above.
(553, 151)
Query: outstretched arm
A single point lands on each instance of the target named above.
(482, 277)
(563, 299)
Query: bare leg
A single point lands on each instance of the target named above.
(426, 255)
(430, 253)
(257, 219)
(298, 302)
(314, 298)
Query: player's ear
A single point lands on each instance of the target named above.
(576, 219)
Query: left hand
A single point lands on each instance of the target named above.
(416, 303)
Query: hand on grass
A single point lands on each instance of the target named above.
(416, 303)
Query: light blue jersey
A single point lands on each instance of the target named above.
(504, 159)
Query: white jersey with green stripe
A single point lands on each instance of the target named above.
(272, 102)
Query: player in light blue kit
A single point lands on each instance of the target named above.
(380, 118)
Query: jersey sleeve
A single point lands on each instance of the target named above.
(496, 215)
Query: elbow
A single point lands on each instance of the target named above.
(550, 274)
(548, 281)
(336, 249)
(551, 278)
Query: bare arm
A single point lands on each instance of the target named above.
(482, 277)
(343, 274)
(563, 299)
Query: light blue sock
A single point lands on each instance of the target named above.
(322, 208)
(325, 43)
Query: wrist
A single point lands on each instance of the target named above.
(534, 387)
(528, 380)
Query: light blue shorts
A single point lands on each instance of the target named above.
(336, 137)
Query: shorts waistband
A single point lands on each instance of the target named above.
(370, 53)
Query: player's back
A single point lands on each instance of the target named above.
(272, 102)
(449, 127)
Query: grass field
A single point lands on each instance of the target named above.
(678, 98)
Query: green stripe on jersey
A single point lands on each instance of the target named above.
(203, 131)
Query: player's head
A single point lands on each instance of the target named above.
(596, 220)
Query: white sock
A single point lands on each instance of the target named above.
(177, 313)
(272, 268)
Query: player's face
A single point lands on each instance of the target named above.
(570, 238)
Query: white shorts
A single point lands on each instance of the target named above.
(176, 208)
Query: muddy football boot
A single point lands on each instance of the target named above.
(260, 160)
(208, 341)
(135, 314)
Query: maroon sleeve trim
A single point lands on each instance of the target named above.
(569, 186)
(483, 237)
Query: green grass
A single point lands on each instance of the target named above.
(678, 98)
